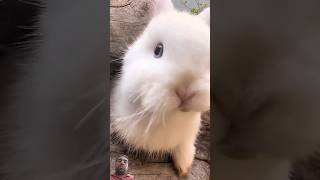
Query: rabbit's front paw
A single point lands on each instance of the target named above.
(183, 157)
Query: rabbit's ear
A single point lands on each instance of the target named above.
(162, 6)
(205, 15)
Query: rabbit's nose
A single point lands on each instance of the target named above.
(184, 95)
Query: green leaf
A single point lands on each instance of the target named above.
(194, 11)
(205, 5)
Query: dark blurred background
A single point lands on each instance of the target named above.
(53, 92)
(266, 77)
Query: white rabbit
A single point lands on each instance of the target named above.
(165, 85)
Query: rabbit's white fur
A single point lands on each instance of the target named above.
(144, 106)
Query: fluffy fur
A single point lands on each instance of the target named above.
(145, 106)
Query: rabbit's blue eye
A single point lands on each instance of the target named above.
(158, 50)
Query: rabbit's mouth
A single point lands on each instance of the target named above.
(195, 103)
(184, 97)
(184, 109)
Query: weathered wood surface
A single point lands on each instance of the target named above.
(128, 18)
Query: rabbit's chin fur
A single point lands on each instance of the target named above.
(147, 111)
